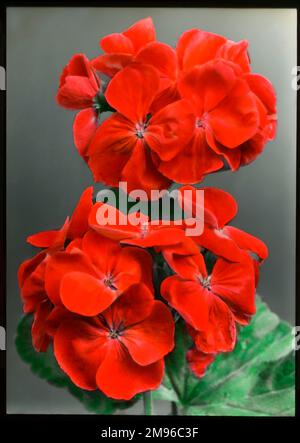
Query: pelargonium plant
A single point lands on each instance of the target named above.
(120, 303)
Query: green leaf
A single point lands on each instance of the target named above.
(257, 378)
(44, 365)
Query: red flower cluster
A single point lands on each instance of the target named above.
(94, 298)
(179, 113)
(91, 291)
(215, 274)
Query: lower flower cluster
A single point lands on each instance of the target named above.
(94, 298)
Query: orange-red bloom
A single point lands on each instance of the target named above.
(181, 114)
(86, 281)
(121, 48)
(125, 146)
(78, 86)
(121, 351)
(211, 303)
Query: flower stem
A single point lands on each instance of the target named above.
(148, 408)
(174, 409)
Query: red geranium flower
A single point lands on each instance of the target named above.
(135, 228)
(120, 351)
(211, 304)
(124, 145)
(184, 257)
(225, 112)
(78, 87)
(196, 47)
(86, 281)
(121, 47)
(226, 241)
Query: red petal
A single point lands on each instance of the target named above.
(219, 335)
(53, 239)
(117, 43)
(132, 307)
(132, 91)
(40, 337)
(78, 83)
(133, 265)
(141, 33)
(121, 378)
(56, 317)
(84, 128)
(60, 239)
(197, 47)
(184, 40)
(251, 149)
(79, 66)
(157, 236)
(146, 263)
(219, 206)
(236, 53)
(168, 94)
(141, 173)
(110, 64)
(86, 295)
(189, 298)
(235, 284)
(74, 244)
(79, 347)
(194, 161)
(247, 241)
(264, 90)
(106, 261)
(206, 86)
(235, 120)
(199, 361)
(79, 221)
(185, 259)
(115, 225)
(28, 266)
(111, 148)
(77, 93)
(43, 239)
(33, 288)
(232, 156)
(58, 265)
(170, 129)
(220, 244)
(161, 56)
(151, 339)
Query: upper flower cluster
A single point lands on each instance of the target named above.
(92, 291)
(178, 114)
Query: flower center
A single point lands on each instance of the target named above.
(201, 121)
(109, 282)
(116, 331)
(140, 130)
(113, 334)
(205, 282)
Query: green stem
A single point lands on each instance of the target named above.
(174, 409)
(148, 408)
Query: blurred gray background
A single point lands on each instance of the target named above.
(45, 175)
